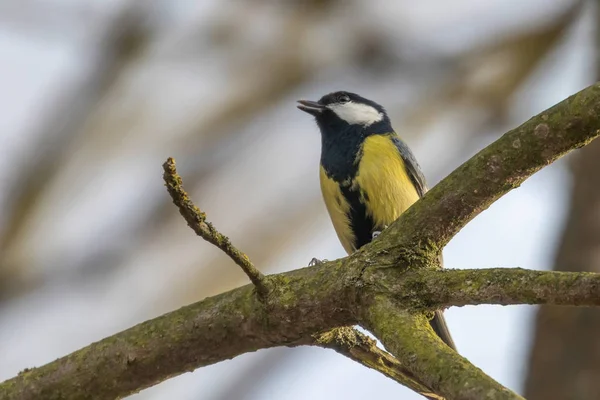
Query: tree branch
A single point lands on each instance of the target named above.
(505, 286)
(196, 220)
(360, 348)
(410, 338)
(215, 329)
(502, 166)
(355, 290)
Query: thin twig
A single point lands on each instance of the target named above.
(359, 347)
(196, 220)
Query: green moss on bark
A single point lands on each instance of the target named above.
(410, 338)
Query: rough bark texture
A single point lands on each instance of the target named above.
(215, 329)
(503, 286)
(565, 357)
(410, 338)
(359, 289)
(305, 301)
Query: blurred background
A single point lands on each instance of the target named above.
(95, 95)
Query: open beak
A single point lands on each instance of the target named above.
(311, 107)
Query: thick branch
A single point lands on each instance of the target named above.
(196, 220)
(494, 171)
(504, 286)
(215, 329)
(306, 301)
(362, 349)
(410, 338)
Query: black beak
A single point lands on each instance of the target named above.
(311, 107)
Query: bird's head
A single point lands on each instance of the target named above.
(340, 110)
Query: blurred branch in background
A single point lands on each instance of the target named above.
(256, 89)
(481, 83)
(118, 43)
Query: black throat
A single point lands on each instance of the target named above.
(341, 144)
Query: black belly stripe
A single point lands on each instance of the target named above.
(362, 225)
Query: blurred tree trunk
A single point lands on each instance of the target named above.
(565, 355)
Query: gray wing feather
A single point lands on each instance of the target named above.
(412, 166)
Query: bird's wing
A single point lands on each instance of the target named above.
(438, 323)
(412, 166)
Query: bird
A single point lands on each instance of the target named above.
(368, 174)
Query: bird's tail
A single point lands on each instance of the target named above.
(438, 323)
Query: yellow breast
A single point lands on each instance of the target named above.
(338, 209)
(385, 185)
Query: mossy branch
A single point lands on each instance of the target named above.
(369, 288)
(196, 220)
(410, 338)
(434, 290)
(497, 169)
(360, 348)
(346, 341)
(212, 330)
(507, 286)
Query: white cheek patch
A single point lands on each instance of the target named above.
(356, 113)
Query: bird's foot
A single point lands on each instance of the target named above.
(377, 233)
(316, 261)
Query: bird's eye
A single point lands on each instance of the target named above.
(343, 98)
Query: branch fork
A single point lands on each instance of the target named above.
(311, 306)
(346, 341)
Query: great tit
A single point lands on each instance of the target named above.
(368, 175)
